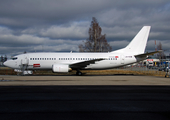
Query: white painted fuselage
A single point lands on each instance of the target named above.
(47, 60)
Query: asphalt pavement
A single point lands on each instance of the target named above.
(85, 102)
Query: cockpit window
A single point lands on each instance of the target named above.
(14, 58)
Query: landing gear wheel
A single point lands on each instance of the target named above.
(18, 74)
(78, 73)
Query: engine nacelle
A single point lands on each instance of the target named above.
(60, 68)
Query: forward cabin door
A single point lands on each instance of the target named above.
(25, 60)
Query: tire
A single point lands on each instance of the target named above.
(79, 73)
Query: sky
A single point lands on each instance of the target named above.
(61, 25)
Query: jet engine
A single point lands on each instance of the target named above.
(60, 68)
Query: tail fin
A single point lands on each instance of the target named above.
(138, 44)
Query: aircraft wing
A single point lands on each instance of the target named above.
(84, 63)
(146, 54)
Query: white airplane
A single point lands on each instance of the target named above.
(65, 62)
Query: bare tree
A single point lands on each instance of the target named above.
(5, 58)
(161, 55)
(96, 41)
(1, 58)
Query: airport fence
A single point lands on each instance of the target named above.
(145, 70)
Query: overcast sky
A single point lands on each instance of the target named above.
(61, 25)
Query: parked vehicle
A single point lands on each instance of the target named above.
(150, 64)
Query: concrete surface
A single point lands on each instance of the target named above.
(83, 80)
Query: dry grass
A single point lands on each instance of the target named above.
(8, 71)
(125, 72)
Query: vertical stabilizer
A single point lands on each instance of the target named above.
(138, 44)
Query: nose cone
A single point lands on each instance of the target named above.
(5, 63)
(8, 63)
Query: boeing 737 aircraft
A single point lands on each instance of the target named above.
(65, 62)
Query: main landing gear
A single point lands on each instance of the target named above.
(79, 73)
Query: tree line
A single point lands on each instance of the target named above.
(3, 58)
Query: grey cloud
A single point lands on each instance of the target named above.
(118, 44)
(48, 12)
(23, 40)
(63, 24)
(75, 31)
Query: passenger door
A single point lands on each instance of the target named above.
(25, 60)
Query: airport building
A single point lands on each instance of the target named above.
(154, 61)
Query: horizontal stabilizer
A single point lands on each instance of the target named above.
(146, 54)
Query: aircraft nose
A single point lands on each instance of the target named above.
(5, 63)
